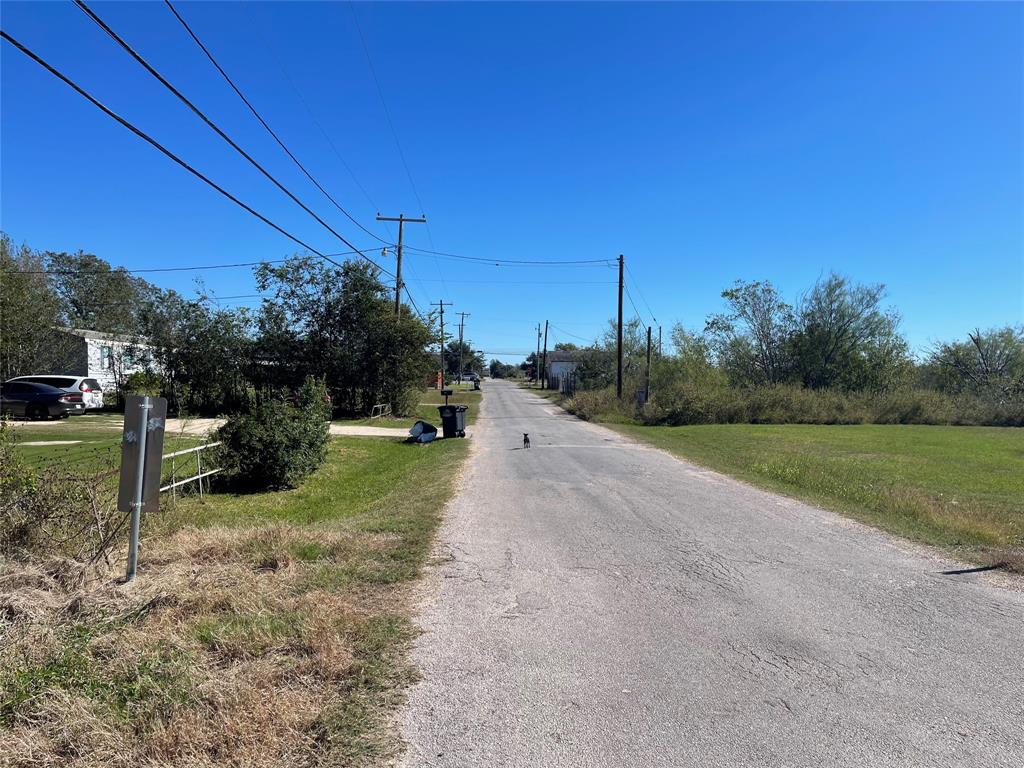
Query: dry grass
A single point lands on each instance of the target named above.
(278, 643)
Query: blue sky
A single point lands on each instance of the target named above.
(705, 142)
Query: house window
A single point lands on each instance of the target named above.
(106, 359)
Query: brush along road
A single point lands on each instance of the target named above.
(604, 604)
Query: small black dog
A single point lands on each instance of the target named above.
(526, 440)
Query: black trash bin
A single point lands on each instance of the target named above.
(453, 420)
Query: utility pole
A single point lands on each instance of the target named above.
(659, 341)
(618, 336)
(536, 359)
(647, 383)
(544, 364)
(441, 305)
(398, 262)
(462, 323)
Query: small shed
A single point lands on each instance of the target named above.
(561, 365)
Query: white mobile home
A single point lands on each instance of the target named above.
(106, 357)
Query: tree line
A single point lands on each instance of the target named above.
(319, 321)
(836, 354)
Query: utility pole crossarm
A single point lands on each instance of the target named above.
(401, 219)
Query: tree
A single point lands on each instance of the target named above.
(203, 354)
(338, 323)
(751, 340)
(989, 363)
(500, 370)
(97, 297)
(29, 312)
(845, 339)
(471, 360)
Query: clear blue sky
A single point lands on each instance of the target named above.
(706, 142)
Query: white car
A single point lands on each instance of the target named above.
(92, 392)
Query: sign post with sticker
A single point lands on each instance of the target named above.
(142, 447)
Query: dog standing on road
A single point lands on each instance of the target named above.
(526, 440)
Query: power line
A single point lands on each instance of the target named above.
(525, 282)
(309, 111)
(115, 270)
(394, 133)
(642, 297)
(149, 139)
(574, 335)
(387, 113)
(263, 122)
(630, 296)
(498, 262)
(214, 127)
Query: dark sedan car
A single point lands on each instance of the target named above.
(38, 401)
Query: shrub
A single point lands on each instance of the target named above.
(407, 401)
(141, 383)
(684, 402)
(55, 510)
(278, 444)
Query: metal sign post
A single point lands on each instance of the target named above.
(141, 455)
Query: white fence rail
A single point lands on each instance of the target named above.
(197, 477)
(383, 409)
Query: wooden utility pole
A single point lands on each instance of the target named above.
(462, 323)
(398, 261)
(647, 382)
(544, 364)
(659, 341)
(441, 305)
(536, 359)
(618, 336)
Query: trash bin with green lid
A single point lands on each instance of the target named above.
(453, 420)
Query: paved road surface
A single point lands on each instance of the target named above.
(607, 605)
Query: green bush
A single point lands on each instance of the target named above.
(278, 444)
(142, 383)
(687, 402)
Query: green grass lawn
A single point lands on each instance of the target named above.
(95, 442)
(426, 409)
(273, 625)
(957, 487)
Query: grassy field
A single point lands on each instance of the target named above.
(262, 630)
(88, 443)
(426, 410)
(961, 488)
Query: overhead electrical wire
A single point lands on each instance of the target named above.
(636, 285)
(525, 262)
(214, 127)
(394, 132)
(269, 130)
(574, 335)
(633, 303)
(341, 160)
(146, 270)
(153, 142)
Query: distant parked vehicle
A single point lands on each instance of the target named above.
(38, 401)
(470, 376)
(91, 390)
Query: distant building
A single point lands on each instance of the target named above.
(106, 357)
(561, 364)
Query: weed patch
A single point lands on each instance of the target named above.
(263, 629)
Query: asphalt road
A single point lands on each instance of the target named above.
(600, 603)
